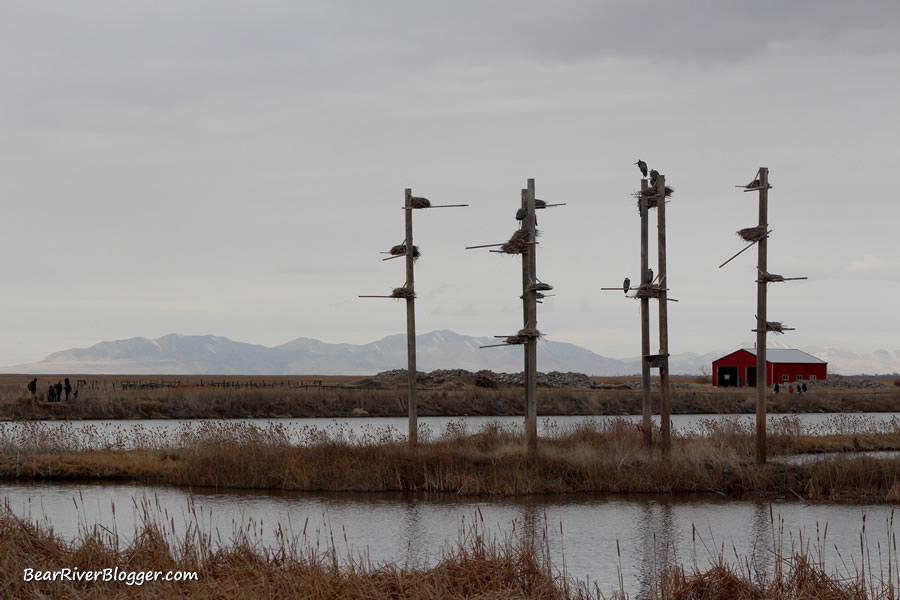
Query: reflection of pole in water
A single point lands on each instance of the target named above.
(535, 533)
(416, 541)
(761, 528)
(656, 545)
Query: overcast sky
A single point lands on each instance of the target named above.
(235, 168)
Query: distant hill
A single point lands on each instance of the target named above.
(209, 354)
(181, 354)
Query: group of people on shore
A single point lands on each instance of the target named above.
(801, 388)
(54, 391)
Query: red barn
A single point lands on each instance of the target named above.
(782, 366)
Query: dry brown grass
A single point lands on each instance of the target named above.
(247, 397)
(591, 458)
(479, 567)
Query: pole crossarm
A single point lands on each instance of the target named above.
(485, 246)
(744, 249)
(434, 206)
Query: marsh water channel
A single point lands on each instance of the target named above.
(593, 537)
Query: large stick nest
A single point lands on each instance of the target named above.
(400, 250)
(540, 286)
(518, 243)
(775, 326)
(648, 291)
(770, 277)
(419, 202)
(530, 333)
(403, 292)
(523, 336)
(752, 234)
(651, 196)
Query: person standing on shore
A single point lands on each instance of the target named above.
(32, 387)
(58, 387)
(68, 388)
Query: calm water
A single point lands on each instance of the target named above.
(162, 432)
(586, 530)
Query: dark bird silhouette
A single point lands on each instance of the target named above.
(649, 275)
(520, 214)
(642, 166)
(626, 284)
(654, 175)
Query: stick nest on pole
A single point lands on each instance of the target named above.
(648, 291)
(651, 197)
(775, 326)
(419, 202)
(517, 243)
(530, 333)
(752, 234)
(770, 277)
(403, 292)
(400, 250)
(540, 287)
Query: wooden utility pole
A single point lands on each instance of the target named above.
(761, 323)
(530, 295)
(647, 423)
(665, 430)
(759, 235)
(412, 397)
(524, 242)
(408, 293)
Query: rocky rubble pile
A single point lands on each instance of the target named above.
(489, 379)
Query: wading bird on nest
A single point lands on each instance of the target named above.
(626, 284)
(654, 175)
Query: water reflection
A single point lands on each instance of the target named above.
(596, 535)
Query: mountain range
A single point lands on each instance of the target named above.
(209, 354)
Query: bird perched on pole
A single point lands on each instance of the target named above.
(642, 166)
(654, 175)
(626, 285)
(520, 214)
(649, 275)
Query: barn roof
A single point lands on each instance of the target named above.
(782, 355)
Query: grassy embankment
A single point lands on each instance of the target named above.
(273, 397)
(590, 458)
(478, 567)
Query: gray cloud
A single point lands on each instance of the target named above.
(155, 54)
(163, 158)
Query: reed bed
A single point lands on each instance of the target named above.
(478, 565)
(593, 457)
(452, 399)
